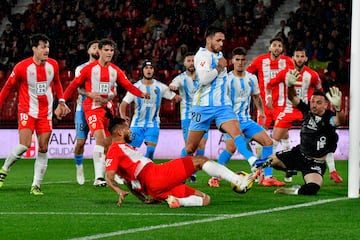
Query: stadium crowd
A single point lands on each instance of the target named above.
(165, 31)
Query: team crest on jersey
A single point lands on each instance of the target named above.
(155, 91)
(93, 126)
(23, 122)
(282, 64)
(312, 124)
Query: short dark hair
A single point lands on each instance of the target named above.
(36, 38)
(91, 43)
(114, 122)
(211, 31)
(189, 54)
(300, 49)
(279, 39)
(239, 51)
(106, 41)
(319, 93)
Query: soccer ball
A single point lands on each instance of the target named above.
(236, 188)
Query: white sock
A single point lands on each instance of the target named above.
(286, 145)
(275, 145)
(15, 154)
(251, 160)
(191, 201)
(99, 161)
(258, 149)
(40, 166)
(220, 171)
(330, 161)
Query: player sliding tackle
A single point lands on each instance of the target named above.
(152, 182)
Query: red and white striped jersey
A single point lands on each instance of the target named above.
(100, 79)
(35, 85)
(310, 82)
(267, 69)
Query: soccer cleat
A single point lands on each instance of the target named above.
(291, 191)
(288, 179)
(192, 179)
(334, 175)
(261, 163)
(100, 182)
(247, 182)
(271, 182)
(173, 202)
(3, 175)
(214, 182)
(35, 190)
(80, 178)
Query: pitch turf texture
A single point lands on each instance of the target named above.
(70, 211)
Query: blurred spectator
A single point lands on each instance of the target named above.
(180, 57)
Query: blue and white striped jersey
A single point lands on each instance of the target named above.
(187, 88)
(79, 101)
(146, 111)
(240, 92)
(212, 89)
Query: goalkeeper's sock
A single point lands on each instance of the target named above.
(275, 145)
(14, 155)
(150, 152)
(224, 157)
(79, 159)
(200, 152)
(242, 147)
(330, 161)
(40, 167)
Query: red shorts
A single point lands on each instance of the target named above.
(96, 120)
(162, 180)
(285, 120)
(271, 116)
(42, 125)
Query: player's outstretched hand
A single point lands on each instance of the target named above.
(334, 96)
(122, 196)
(291, 78)
(62, 110)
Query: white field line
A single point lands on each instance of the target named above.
(212, 217)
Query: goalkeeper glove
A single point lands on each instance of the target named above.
(334, 96)
(291, 77)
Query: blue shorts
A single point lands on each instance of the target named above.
(140, 135)
(202, 117)
(185, 129)
(81, 127)
(249, 129)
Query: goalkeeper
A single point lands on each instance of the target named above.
(318, 137)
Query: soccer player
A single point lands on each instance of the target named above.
(145, 123)
(187, 83)
(318, 137)
(243, 88)
(35, 79)
(308, 82)
(81, 127)
(211, 100)
(266, 67)
(159, 181)
(98, 79)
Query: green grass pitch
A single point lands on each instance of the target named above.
(70, 211)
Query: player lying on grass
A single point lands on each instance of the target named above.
(318, 137)
(160, 181)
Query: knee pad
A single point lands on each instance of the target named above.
(309, 189)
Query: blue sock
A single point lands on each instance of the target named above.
(268, 171)
(79, 159)
(200, 152)
(224, 157)
(266, 151)
(150, 152)
(242, 147)
(184, 153)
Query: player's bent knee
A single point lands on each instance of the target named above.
(206, 200)
(309, 189)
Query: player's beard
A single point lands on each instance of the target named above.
(299, 66)
(95, 56)
(191, 69)
(148, 78)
